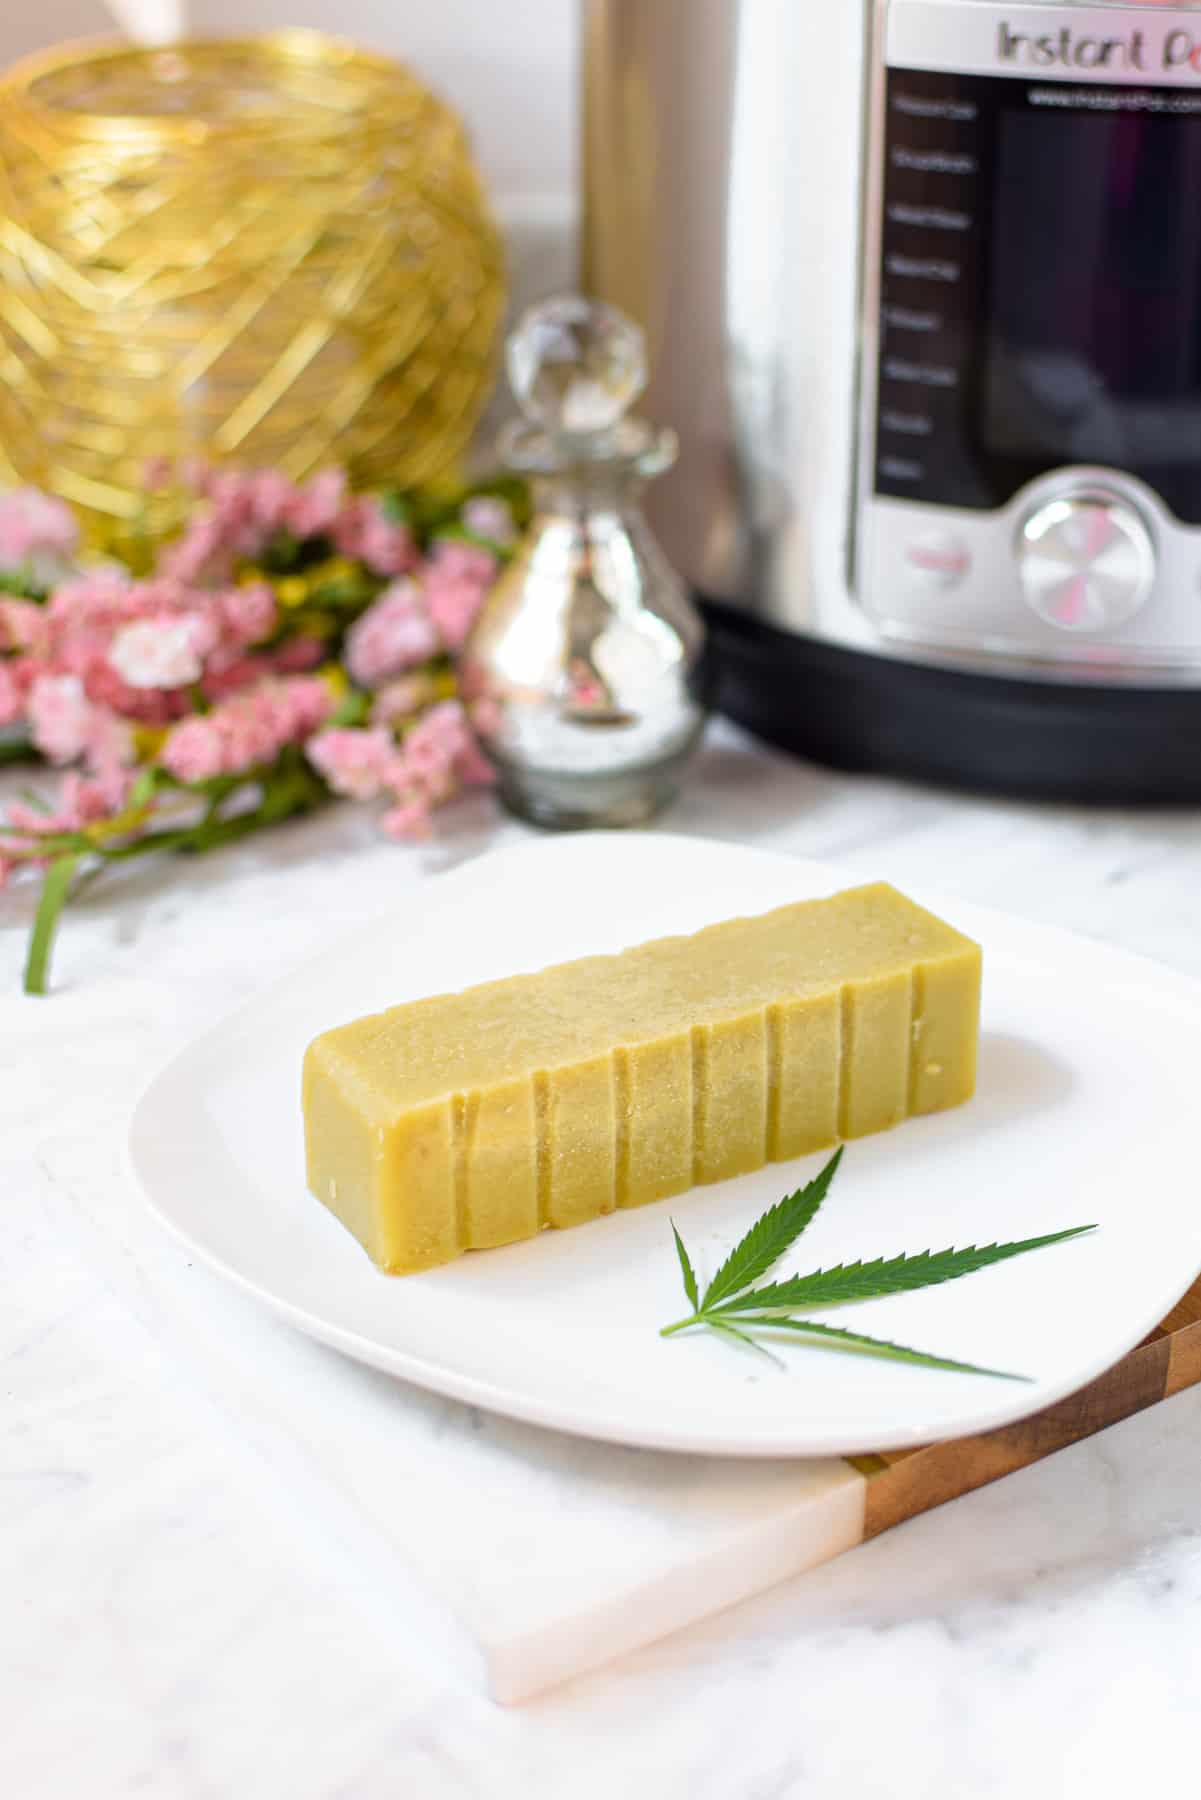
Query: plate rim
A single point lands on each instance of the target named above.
(1170, 985)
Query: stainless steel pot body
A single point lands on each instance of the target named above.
(745, 198)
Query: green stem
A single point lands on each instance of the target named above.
(55, 888)
(682, 1325)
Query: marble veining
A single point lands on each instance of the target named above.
(186, 1610)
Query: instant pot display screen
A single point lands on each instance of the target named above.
(1040, 287)
(1093, 320)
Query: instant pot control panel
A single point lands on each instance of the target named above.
(1030, 470)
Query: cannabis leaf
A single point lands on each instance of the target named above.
(768, 1238)
(734, 1308)
(686, 1268)
(894, 1275)
(842, 1339)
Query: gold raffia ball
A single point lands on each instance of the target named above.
(270, 251)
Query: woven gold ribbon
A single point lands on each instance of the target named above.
(272, 250)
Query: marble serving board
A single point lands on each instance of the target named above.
(527, 1556)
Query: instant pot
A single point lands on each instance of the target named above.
(922, 286)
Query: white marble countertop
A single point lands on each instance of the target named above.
(173, 1624)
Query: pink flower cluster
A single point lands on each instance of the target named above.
(68, 727)
(412, 622)
(35, 527)
(248, 730)
(82, 800)
(134, 646)
(436, 758)
(457, 577)
(243, 510)
(204, 677)
(394, 634)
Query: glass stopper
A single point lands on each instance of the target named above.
(576, 365)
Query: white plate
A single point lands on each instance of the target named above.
(1086, 1111)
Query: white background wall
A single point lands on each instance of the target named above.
(509, 66)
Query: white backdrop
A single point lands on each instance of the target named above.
(509, 68)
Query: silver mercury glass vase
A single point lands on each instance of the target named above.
(586, 665)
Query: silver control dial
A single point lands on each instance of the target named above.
(1086, 561)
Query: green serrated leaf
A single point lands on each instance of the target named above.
(770, 1236)
(686, 1269)
(727, 1330)
(835, 1338)
(893, 1275)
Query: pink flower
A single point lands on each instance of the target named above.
(364, 530)
(457, 579)
(391, 636)
(105, 598)
(24, 625)
(12, 700)
(81, 618)
(271, 497)
(439, 755)
(408, 820)
(490, 517)
(248, 730)
(59, 717)
(472, 766)
(314, 508)
(387, 545)
(22, 820)
(401, 698)
(453, 560)
(248, 614)
(167, 652)
(486, 715)
(298, 654)
(356, 764)
(82, 800)
(66, 726)
(32, 522)
(308, 701)
(194, 750)
(205, 552)
(446, 726)
(453, 608)
(223, 678)
(148, 706)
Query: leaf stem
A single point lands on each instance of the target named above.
(55, 888)
(682, 1325)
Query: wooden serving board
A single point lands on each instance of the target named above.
(498, 1510)
(902, 1483)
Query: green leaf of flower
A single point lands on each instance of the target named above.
(770, 1236)
(143, 788)
(352, 708)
